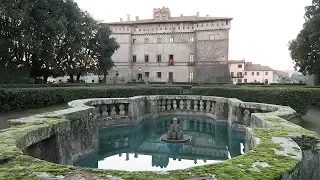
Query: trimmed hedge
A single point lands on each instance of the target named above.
(254, 84)
(300, 99)
(45, 85)
(288, 84)
(25, 98)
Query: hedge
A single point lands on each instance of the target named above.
(300, 99)
(288, 84)
(25, 98)
(46, 85)
(253, 84)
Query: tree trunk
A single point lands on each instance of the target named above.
(78, 77)
(105, 77)
(71, 78)
(45, 79)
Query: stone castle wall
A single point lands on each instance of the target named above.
(203, 48)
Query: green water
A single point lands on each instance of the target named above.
(140, 149)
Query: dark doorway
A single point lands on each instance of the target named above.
(139, 76)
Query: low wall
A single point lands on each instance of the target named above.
(277, 149)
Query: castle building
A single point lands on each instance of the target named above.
(171, 49)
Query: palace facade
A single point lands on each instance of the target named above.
(171, 49)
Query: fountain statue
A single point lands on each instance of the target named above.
(175, 133)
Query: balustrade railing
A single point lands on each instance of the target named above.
(113, 110)
(172, 104)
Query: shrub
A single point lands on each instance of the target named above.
(25, 98)
(300, 99)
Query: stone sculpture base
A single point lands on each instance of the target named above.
(184, 139)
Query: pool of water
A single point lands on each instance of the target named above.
(140, 148)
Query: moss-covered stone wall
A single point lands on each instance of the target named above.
(278, 148)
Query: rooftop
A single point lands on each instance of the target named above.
(256, 67)
(165, 12)
(236, 61)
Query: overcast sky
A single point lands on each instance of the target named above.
(260, 30)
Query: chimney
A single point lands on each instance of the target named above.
(181, 15)
(128, 17)
(198, 14)
(121, 20)
(137, 18)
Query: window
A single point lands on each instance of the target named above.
(245, 73)
(171, 39)
(239, 80)
(146, 40)
(240, 66)
(146, 58)
(133, 41)
(232, 74)
(245, 80)
(170, 77)
(191, 76)
(146, 74)
(258, 73)
(159, 40)
(191, 39)
(157, 17)
(164, 17)
(211, 37)
(266, 73)
(171, 59)
(134, 58)
(252, 73)
(239, 74)
(159, 58)
(191, 58)
(159, 74)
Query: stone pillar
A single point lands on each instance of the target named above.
(235, 113)
(169, 105)
(181, 104)
(188, 105)
(153, 106)
(208, 106)
(122, 111)
(201, 105)
(163, 105)
(175, 105)
(113, 111)
(195, 105)
(137, 108)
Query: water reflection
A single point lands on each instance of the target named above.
(140, 148)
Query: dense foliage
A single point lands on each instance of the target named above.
(300, 99)
(42, 38)
(305, 49)
(25, 98)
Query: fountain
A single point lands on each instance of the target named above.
(175, 134)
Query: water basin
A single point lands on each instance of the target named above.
(140, 148)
